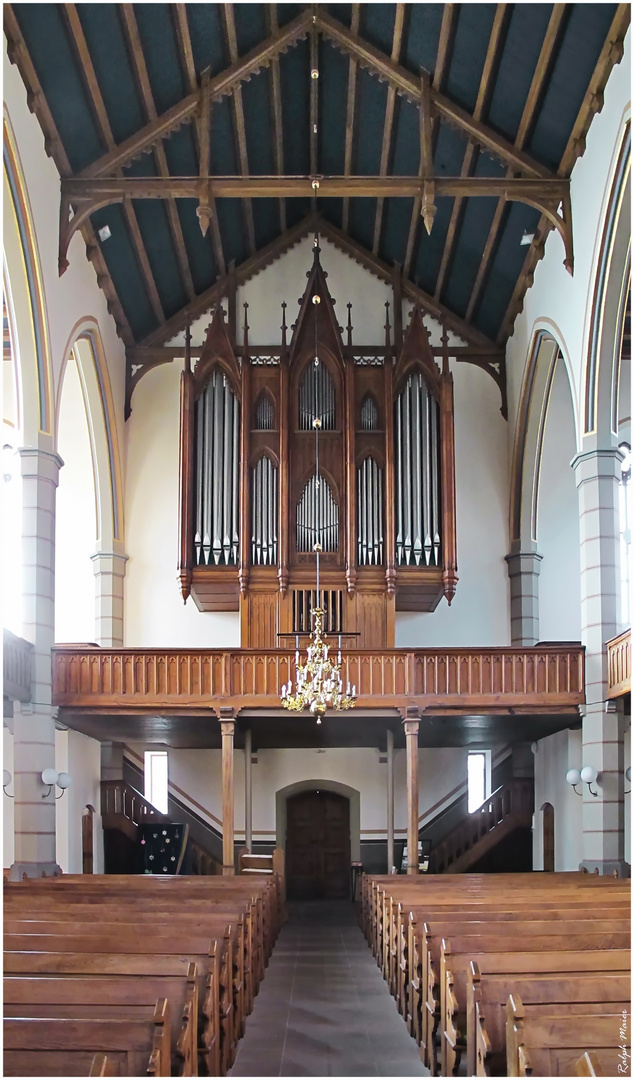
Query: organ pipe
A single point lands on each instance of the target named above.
(370, 513)
(316, 398)
(216, 535)
(317, 518)
(264, 513)
(418, 511)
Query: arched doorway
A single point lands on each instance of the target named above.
(548, 837)
(318, 845)
(87, 845)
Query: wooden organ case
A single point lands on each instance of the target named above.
(384, 507)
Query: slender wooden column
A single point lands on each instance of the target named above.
(411, 724)
(227, 726)
(390, 801)
(248, 816)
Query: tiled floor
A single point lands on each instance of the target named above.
(323, 1008)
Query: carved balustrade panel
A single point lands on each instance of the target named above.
(620, 665)
(532, 679)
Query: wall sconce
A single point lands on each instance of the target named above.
(51, 777)
(6, 780)
(588, 775)
(628, 777)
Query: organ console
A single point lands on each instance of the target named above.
(382, 505)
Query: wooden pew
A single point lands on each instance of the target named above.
(486, 1004)
(111, 998)
(550, 1045)
(588, 1065)
(102, 1066)
(66, 1047)
(454, 967)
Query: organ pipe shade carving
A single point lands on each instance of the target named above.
(317, 517)
(217, 474)
(418, 511)
(369, 513)
(316, 398)
(369, 414)
(264, 414)
(264, 513)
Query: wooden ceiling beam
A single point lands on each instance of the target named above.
(351, 102)
(189, 67)
(409, 86)
(443, 56)
(239, 123)
(611, 54)
(276, 107)
(19, 55)
(247, 269)
(491, 61)
(535, 92)
(145, 88)
(90, 78)
(388, 126)
(221, 85)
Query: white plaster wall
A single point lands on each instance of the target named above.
(479, 613)
(75, 518)
(557, 301)
(76, 295)
(80, 757)
(558, 520)
(7, 803)
(554, 756)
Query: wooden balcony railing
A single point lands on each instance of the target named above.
(620, 665)
(16, 667)
(545, 679)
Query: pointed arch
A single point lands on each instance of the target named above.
(24, 290)
(265, 413)
(369, 413)
(317, 515)
(316, 397)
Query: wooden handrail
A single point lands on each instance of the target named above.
(543, 678)
(514, 798)
(119, 799)
(620, 664)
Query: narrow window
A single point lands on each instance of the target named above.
(625, 530)
(478, 779)
(155, 779)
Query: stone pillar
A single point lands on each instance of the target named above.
(109, 570)
(390, 800)
(227, 726)
(597, 474)
(34, 725)
(248, 780)
(523, 571)
(411, 725)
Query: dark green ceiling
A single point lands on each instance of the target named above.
(51, 39)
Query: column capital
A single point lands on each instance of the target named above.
(40, 464)
(109, 562)
(523, 562)
(594, 464)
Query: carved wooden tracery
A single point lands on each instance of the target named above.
(361, 395)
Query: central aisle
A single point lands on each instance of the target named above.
(323, 1008)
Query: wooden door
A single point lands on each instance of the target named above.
(548, 821)
(318, 846)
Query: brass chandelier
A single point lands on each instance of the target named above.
(319, 685)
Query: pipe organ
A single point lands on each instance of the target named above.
(382, 505)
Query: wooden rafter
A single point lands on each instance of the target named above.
(536, 89)
(276, 107)
(221, 85)
(611, 54)
(484, 91)
(443, 54)
(397, 41)
(187, 54)
(239, 124)
(143, 82)
(409, 86)
(90, 78)
(19, 55)
(350, 111)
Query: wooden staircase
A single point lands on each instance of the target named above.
(510, 807)
(124, 809)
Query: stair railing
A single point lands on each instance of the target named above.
(119, 799)
(515, 797)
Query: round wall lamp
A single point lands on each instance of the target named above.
(51, 777)
(628, 777)
(588, 775)
(6, 780)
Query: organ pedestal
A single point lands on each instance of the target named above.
(251, 508)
